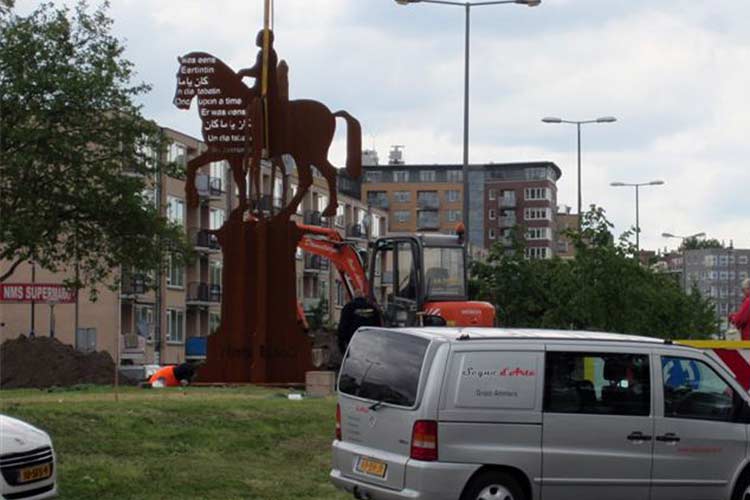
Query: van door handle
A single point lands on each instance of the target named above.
(669, 438)
(638, 436)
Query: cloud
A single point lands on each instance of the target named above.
(675, 74)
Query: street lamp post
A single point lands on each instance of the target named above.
(684, 255)
(467, 5)
(578, 123)
(637, 186)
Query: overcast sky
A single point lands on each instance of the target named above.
(675, 73)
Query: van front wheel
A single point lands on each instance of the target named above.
(492, 485)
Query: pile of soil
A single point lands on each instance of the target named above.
(45, 362)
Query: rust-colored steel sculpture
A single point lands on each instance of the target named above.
(259, 339)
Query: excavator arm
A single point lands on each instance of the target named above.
(328, 243)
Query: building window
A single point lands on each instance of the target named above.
(175, 325)
(427, 176)
(535, 253)
(401, 176)
(340, 215)
(144, 321)
(216, 171)
(402, 216)
(538, 233)
(537, 214)
(743, 260)
(177, 153)
(492, 214)
(454, 215)
(453, 195)
(402, 196)
(536, 173)
(176, 210)
(216, 218)
(454, 176)
(214, 271)
(428, 219)
(377, 199)
(709, 260)
(538, 193)
(428, 199)
(492, 194)
(373, 177)
(175, 273)
(214, 321)
(492, 233)
(723, 260)
(340, 294)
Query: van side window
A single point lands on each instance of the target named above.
(597, 383)
(692, 389)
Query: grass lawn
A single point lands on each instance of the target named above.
(197, 443)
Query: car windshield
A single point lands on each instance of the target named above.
(444, 272)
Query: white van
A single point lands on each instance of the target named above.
(503, 414)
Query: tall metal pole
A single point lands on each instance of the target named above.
(33, 302)
(580, 201)
(637, 226)
(465, 170)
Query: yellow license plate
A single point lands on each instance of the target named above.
(371, 467)
(35, 473)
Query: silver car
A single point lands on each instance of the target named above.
(28, 469)
(503, 414)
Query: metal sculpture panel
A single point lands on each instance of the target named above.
(259, 339)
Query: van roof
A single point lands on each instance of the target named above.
(463, 334)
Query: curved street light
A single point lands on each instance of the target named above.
(467, 5)
(637, 186)
(684, 256)
(578, 123)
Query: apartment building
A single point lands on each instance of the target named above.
(502, 196)
(162, 315)
(718, 275)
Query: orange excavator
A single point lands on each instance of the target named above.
(415, 279)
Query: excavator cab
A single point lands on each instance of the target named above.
(411, 273)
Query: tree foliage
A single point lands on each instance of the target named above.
(70, 130)
(700, 244)
(604, 289)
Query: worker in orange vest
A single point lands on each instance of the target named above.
(173, 376)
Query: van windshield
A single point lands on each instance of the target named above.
(383, 366)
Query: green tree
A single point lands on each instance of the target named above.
(69, 132)
(700, 244)
(604, 288)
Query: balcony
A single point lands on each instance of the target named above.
(133, 347)
(507, 201)
(377, 199)
(425, 203)
(316, 263)
(204, 240)
(133, 284)
(355, 231)
(428, 220)
(209, 188)
(313, 218)
(203, 294)
(270, 203)
(507, 221)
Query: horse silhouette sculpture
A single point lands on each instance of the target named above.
(232, 116)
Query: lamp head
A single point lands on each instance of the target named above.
(530, 3)
(656, 183)
(606, 119)
(407, 2)
(699, 235)
(552, 119)
(616, 184)
(668, 235)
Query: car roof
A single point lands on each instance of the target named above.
(464, 334)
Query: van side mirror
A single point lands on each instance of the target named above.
(743, 415)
